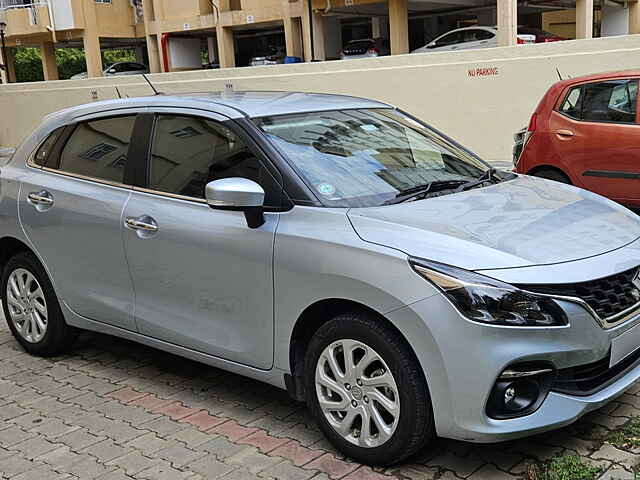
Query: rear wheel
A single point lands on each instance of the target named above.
(31, 307)
(367, 391)
(554, 175)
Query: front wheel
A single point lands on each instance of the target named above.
(367, 391)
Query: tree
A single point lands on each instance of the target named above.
(70, 61)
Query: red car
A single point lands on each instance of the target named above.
(586, 131)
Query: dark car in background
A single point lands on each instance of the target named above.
(366, 48)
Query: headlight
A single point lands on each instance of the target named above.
(486, 300)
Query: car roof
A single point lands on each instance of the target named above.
(600, 76)
(234, 104)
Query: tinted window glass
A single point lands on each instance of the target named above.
(189, 152)
(450, 39)
(362, 158)
(611, 101)
(41, 155)
(484, 35)
(472, 35)
(572, 105)
(98, 149)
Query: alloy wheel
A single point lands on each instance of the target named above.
(357, 393)
(27, 305)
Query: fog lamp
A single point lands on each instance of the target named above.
(520, 390)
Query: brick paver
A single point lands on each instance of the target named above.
(114, 410)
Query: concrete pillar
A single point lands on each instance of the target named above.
(226, 47)
(319, 37)
(293, 36)
(634, 17)
(93, 55)
(584, 18)
(153, 52)
(310, 54)
(507, 22)
(380, 27)
(91, 41)
(399, 26)
(49, 64)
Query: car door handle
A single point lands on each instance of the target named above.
(144, 224)
(43, 198)
(565, 133)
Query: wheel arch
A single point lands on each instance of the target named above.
(308, 323)
(10, 246)
(539, 168)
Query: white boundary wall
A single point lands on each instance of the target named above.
(479, 97)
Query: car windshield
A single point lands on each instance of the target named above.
(364, 158)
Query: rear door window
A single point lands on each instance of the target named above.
(99, 148)
(612, 101)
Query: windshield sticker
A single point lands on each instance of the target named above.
(326, 189)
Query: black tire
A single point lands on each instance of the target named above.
(58, 336)
(415, 426)
(554, 175)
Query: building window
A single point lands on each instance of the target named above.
(103, 1)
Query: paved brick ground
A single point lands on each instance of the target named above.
(117, 410)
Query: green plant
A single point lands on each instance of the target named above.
(628, 436)
(565, 467)
(70, 62)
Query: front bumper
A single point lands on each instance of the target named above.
(463, 359)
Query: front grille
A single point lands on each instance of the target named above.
(588, 379)
(607, 296)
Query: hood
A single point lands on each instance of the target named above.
(521, 222)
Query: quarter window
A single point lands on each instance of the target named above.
(189, 152)
(99, 148)
(43, 152)
(572, 105)
(612, 101)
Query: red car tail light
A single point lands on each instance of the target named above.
(373, 51)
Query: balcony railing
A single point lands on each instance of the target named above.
(12, 4)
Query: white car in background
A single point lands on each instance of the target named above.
(117, 69)
(470, 37)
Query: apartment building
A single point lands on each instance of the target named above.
(170, 35)
(50, 24)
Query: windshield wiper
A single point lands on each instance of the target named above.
(421, 191)
(488, 176)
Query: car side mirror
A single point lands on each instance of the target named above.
(113, 70)
(239, 194)
(432, 45)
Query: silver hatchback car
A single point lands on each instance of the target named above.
(333, 246)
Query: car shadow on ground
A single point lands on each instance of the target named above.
(257, 404)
